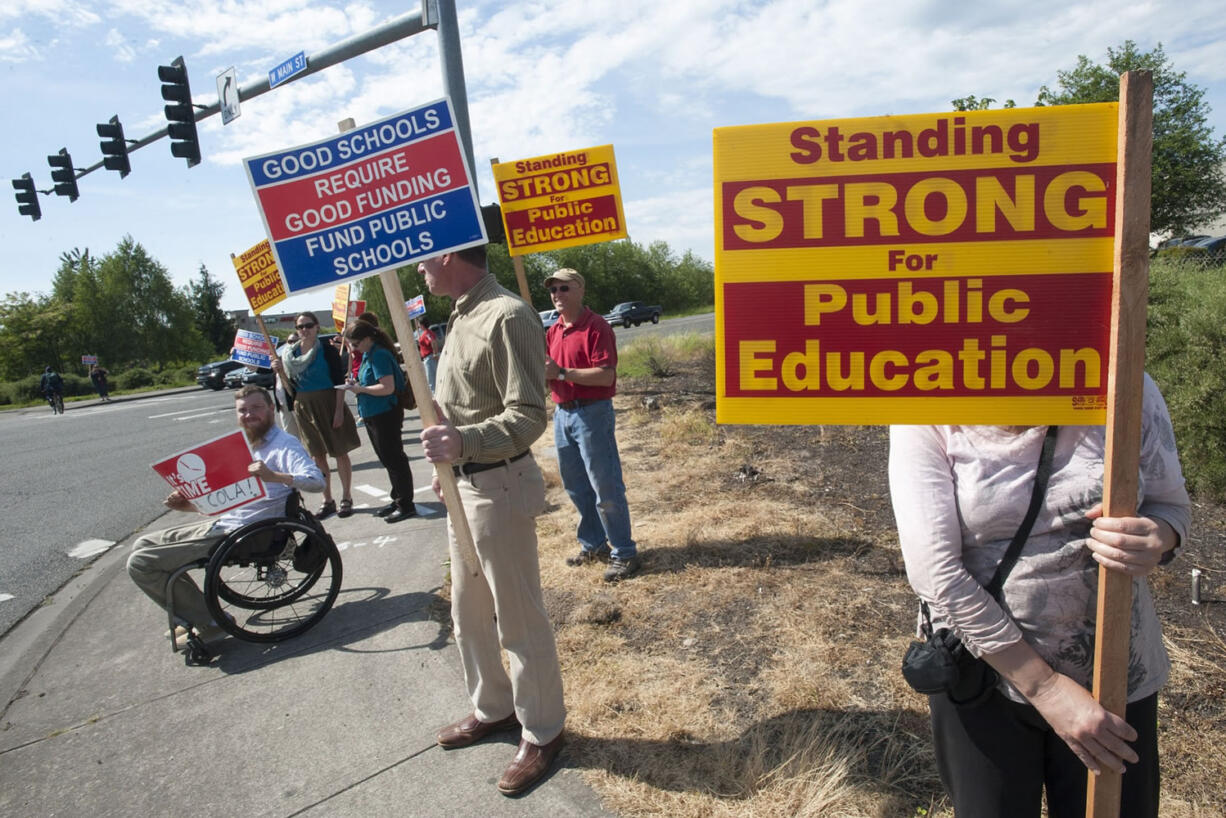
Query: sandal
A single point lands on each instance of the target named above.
(326, 510)
(346, 508)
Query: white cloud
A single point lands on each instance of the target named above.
(271, 26)
(682, 218)
(16, 47)
(123, 50)
(61, 12)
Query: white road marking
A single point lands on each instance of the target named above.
(5, 597)
(424, 490)
(181, 411)
(206, 414)
(90, 548)
(371, 490)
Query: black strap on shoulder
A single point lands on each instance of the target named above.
(1023, 532)
(293, 504)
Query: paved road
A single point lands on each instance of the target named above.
(670, 326)
(85, 475)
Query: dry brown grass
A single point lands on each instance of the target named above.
(752, 668)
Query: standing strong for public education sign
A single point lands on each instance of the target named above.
(562, 200)
(371, 199)
(935, 268)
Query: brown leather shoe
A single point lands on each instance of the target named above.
(531, 763)
(470, 730)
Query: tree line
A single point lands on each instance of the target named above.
(121, 306)
(1189, 161)
(614, 271)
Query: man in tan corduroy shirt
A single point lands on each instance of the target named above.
(491, 390)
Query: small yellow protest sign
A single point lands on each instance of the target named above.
(260, 279)
(564, 200)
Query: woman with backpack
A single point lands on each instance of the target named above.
(378, 386)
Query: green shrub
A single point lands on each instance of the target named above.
(134, 378)
(658, 356)
(1184, 351)
(75, 385)
(169, 377)
(26, 389)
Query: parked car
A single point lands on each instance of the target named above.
(633, 312)
(1176, 241)
(260, 377)
(212, 376)
(1214, 248)
(549, 318)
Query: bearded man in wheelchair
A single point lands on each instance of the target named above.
(160, 560)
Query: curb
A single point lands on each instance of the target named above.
(27, 643)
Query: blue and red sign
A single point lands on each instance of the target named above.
(251, 349)
(375, 198)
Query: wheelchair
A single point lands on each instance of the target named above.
(268, 581)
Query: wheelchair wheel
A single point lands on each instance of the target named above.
(260, 546)
(259, 587)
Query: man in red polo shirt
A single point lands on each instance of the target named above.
(581, 368)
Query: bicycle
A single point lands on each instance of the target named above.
(56, 400)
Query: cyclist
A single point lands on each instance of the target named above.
(52, 387)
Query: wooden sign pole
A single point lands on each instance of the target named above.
(416, 373)
(1125, 374)
(518, 261)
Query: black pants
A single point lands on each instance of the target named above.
(997, 757)
(383, 430)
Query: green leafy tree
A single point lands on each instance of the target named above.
(970, 103)
(1189, 188)
(214, 323)
(615, 271)
(412, 284)
(147, 319)
(32, 335)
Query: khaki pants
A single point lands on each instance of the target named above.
(157, 555)
(501, 608)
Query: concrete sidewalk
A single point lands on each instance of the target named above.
(101, 719)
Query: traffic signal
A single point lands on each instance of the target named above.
(64, 175)
(491, 215)
(27, 197)
(114, 147)
(181, 116)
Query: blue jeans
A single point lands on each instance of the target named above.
(592, 474)
(430, 362)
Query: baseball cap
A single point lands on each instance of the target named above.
(563, 275)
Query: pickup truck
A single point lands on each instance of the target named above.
(633, 312)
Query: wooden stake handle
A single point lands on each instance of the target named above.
(394, 294)
(1125, 378)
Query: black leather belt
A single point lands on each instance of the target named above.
(575, 404)
(465, 469)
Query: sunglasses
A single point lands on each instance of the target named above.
(561, 288)
(305, 326)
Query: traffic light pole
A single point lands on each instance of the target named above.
(436, 14)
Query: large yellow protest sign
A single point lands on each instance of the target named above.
(562, 200)
(935, 268)
(258, 275)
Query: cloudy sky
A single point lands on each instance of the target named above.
(652, 78)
